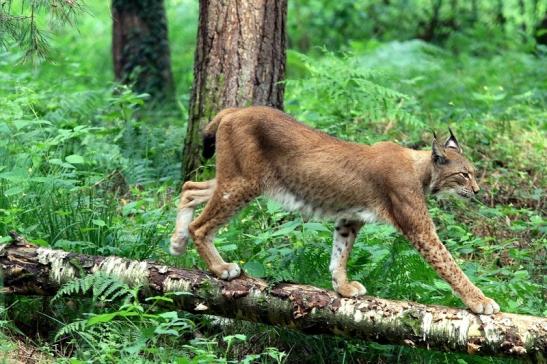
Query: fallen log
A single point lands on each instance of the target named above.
(31, 270)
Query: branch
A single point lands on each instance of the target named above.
(30, 270)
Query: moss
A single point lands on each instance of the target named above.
(412, 320)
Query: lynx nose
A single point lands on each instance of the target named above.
(476, 189)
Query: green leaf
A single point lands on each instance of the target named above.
(5, 239)
(315, 226)
(273, 207)
(255, 269)
(14, 191)
(159, 298)
(230, 338)
(98, 222)
(170, 315)
(105, 317)
(75, 159)
(161, 331)
(227, 247)
(286, 228)
(441, 285)
(15, 175)
(58, 162)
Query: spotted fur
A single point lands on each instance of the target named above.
(263, 151)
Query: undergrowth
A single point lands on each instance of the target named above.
(87, 166)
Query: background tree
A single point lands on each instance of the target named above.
(239, 61)
(140, 46)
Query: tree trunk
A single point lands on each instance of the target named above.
(239, 61)
(500, 16)
(140, 47)
(541, 31)
(430, 32)
(474, 12)
(30, 270)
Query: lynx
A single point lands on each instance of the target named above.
(263, 151)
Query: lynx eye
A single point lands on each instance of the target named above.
(465, 175)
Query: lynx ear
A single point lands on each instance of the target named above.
(452, 142)
(437, 151)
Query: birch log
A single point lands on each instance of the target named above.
(31, 270)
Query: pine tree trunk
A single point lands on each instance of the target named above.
(30, 270)
(239, 61)
(140, 47)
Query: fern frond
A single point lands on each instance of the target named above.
(116, 290)
(71, 329)
(102, 286)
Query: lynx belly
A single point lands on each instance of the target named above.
(292, 202)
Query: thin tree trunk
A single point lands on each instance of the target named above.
(239, 61)
(474, 12)
(140, 47)
(430, 32)
(522, 10)
(500, 16)
(29, 270)
(541, 31)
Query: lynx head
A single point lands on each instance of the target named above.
(452, 172)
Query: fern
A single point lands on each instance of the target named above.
(112, 290)
(76, 327)
(346, 98)
(103, 286)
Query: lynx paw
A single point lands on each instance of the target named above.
(484, 306)
(178, 243)
(227, 271)
(351, 289)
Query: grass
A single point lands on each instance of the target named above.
(85, 166)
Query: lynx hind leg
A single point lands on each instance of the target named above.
(225, 202)
(193, 194)
(345, 234)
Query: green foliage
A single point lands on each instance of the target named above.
(103, 286)
(349, 24)
(357, 99)
(122, 329)
(85, 166)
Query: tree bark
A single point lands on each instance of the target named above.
(140, 47)
(30, 270)
(239, 61)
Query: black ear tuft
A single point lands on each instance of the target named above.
(452, 142)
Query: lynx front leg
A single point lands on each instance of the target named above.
(193, 194)
(436, 254)
(344, 236)
(417, 226)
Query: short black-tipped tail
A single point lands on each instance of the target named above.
(208, 146)
(210, 131)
